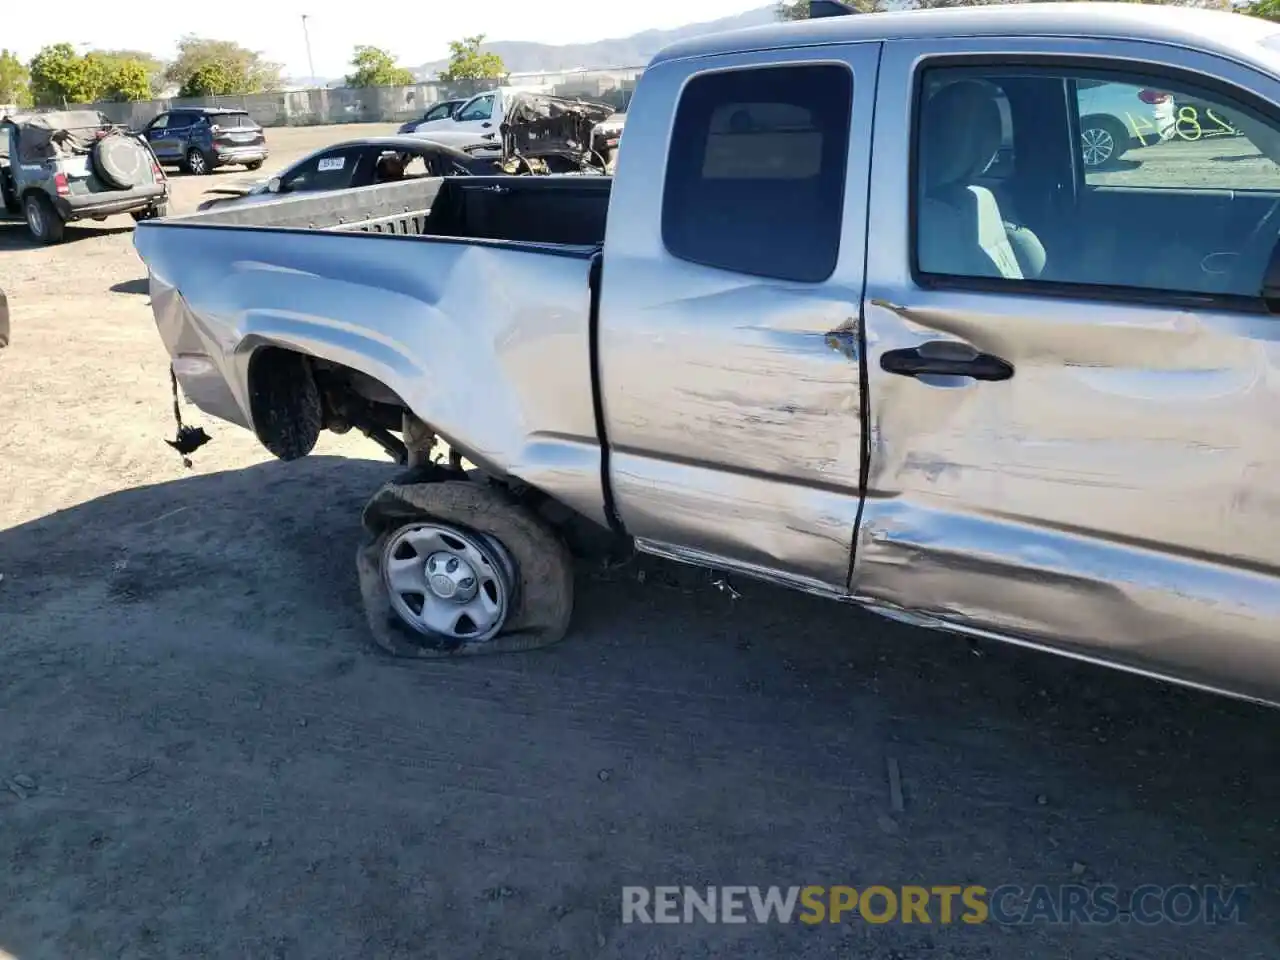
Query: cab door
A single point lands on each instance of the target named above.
(1078, 450)
(161, 138)
(729, 326)
(478, 117)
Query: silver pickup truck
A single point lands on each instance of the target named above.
(854, 316)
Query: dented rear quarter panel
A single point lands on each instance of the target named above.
(485, 341)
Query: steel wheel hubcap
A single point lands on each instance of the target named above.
(1098, 146)
(35, 219)
(197, 163)
(446, 582)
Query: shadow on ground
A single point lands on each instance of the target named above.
(213, 745)
(16, 236)
(141, 286)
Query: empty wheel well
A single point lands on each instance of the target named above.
(293, 396)
(284, 402)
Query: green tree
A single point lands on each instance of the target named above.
(468, 62)
(207, 68)
(125, 80)
(15, 81)
(1266, 9)
(214, 79)
(60, 76)
(152, 66)
(376, 67)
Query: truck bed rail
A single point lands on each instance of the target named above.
(563, 211)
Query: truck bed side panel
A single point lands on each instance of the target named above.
(486, 342)
(560, 210)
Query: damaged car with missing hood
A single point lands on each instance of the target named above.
(76, 165)
(528, 131)
(546, 134)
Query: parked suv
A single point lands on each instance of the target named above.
(198, 139)
(75, 165)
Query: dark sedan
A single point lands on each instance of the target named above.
(365, 162)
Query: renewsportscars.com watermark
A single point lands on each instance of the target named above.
(1008, 904)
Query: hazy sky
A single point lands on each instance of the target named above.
(415, 31)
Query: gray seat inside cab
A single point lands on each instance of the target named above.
(961, 230)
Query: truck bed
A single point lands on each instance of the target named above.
(567, 210)
(467, 301)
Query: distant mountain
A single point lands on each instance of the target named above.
(633, 51)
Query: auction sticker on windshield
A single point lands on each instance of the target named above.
(331, 163)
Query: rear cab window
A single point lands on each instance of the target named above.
(1148, 185)
(755, 178)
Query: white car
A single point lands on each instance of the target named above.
(481, 116)
(606, 136)
(1115, 117)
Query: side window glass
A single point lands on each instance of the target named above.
(160, 122)
(755, 177)
(1178, 187)
(1117, 117)
(438, 112)
(415, 166)
(392, 165)
(481, 109)
(330, 171)
(299, 177)
(1003, 164)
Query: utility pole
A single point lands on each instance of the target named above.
(307, 38)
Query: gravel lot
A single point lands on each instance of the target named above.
(201, 755)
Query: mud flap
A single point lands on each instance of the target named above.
(543, 596)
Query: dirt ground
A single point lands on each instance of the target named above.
(201, 755)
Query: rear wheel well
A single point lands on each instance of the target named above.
(293, 397)
(284, 402)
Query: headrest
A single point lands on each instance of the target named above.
(961, 132)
